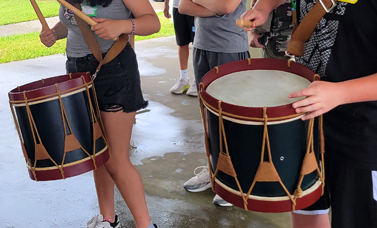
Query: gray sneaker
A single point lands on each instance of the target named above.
(97, 222)
(180, 87)
(218, 201)
(192, 91)
(200, 182)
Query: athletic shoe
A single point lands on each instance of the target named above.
(97, 222)
(180, 87)
(218, 201)
(200, 182)
(192, 91)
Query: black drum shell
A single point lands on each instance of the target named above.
(288, 147)
(45, 111)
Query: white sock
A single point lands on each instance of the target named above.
(184, 75)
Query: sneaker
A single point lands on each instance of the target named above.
(180, 87)
(192, 91)
(218, 201)
(97, 222)
(200, 182)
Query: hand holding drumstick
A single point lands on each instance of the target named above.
(47, 36)
(105, 28)
(258, 14)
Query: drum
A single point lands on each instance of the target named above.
(262, 156)
(59, 125)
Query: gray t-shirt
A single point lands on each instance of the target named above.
(176, 3)
(221, 34)
(76, 46)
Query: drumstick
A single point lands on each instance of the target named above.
(40, 15)
(246, 24)
(80, 14)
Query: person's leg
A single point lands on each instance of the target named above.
(353, 192)
(105, 192)
(118, 127)
(183, 55)
(310, 221)
(183, 40)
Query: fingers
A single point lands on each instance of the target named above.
(99, 20)
(312, 115)
(167, 14)
(254, 16)
(48, 37)
(299, 93)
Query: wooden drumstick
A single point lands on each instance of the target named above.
(80, 14)
(45, 26)
(247, 24)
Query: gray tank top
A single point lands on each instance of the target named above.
(221, 34)
(76, 46)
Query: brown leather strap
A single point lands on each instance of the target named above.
(93, 45)
(306, 27)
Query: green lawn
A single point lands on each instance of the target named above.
(15, 11)
(28, 46)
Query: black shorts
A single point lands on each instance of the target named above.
(352, 192)
(183, 27)
(118, 82)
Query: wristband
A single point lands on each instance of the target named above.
(133, 27)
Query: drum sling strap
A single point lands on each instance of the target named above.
(94, 47)
(303, 31)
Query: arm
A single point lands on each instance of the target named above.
(166, 9)
(146, 21)
(189, 8)
(322, 96)
(219, 6)
(49, 37)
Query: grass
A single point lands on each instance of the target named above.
(28, 46)
(15, 11)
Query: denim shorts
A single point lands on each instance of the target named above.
(117, 84)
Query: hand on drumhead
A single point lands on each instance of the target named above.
(108, 29)
(253, 40)
(48, 37)
(321, 97)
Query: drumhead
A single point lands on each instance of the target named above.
(257, 88)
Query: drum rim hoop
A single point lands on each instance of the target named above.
(278, 112)
(47, 87)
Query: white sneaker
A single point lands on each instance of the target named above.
(180, 87)
(192, 91)
(97, 222)
(218, 201)
(200, 182)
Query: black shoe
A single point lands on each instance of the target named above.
(155, 226)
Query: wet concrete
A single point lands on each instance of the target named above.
(167, 145)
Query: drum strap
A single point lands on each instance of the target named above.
(94, 47)
(306, 27)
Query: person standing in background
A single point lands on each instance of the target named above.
(217, 41)
(184, 34)
(274, 40)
